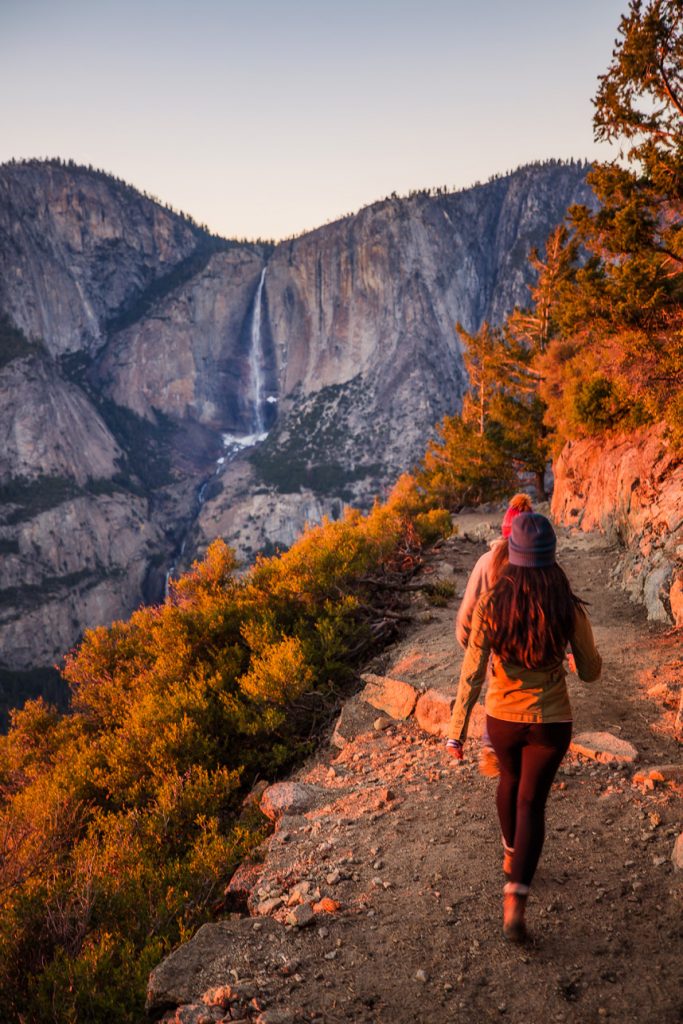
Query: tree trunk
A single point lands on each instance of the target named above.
(540, 484)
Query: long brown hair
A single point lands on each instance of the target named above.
(499, 561)
(531, 615)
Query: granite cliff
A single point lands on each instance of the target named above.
(162, 386)
(630, 488)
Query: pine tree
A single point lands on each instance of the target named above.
(536, 326)
(618, 356)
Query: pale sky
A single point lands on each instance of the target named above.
(268, 118)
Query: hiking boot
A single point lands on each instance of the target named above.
(514, 907)
(488, 763)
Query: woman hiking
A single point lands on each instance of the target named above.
(485, 573)
(524, 624)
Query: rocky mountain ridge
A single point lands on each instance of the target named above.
(143, 361)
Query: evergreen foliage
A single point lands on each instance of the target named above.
(476, 456)
(615, 352)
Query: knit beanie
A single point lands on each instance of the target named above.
(518, 504)
(532, 541)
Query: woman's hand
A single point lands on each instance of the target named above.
(454, 748)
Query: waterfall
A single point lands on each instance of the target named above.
(256, 362)
(233, 444)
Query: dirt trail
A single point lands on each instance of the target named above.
(407, 841)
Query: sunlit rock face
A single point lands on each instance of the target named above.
(630, 486)
(156, 358)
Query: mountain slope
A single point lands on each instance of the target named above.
(136, 347)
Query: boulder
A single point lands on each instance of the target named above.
(433, 712)
(183, 976)
(355, 718)
(253, 797)
(301, 916)
(289, 798)
(393, 696)
(603, 746)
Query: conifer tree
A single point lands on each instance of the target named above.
(618, 358)
(555, 270)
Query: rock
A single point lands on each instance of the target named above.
(629, 487)
(266, 907)
(199, 965)
(298, 893)
(333, 877)
(655, 590)
(240, 886)
(677, 853)
(275, 1016)
(219, 996)
(382, 723)
(289, 798)
(253, 797)
(193, 1013)
(356, 717)
(301, 916)
(326, 906)
(433, 712)
(395, 697)
(663, 773)
(604, 747)
(422, 976)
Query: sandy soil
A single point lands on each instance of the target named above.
(407, 842)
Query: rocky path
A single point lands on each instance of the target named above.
(379, 895)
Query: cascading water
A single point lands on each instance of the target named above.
(234, 443)
(256, 361)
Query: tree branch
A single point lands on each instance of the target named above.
(669, 90)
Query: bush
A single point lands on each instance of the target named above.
(122, 821)
(433, 525)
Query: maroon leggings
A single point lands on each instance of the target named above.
(529, 757)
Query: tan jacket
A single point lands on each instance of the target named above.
(518, 694)
(479, 582)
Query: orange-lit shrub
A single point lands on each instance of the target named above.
(120, 822)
